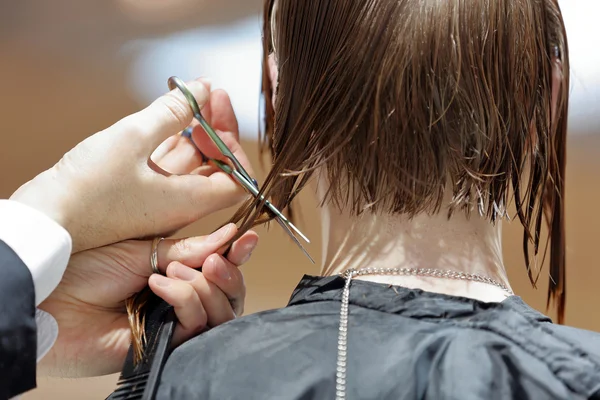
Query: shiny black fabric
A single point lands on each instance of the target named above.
(18, 329)
(402, 344)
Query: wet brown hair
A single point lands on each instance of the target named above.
(402, 100)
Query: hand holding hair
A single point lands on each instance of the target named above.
(89, 302)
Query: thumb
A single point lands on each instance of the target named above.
(166, 116)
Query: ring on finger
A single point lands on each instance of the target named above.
(154, 255)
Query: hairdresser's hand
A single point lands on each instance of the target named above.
(107, 189)
(94, 333)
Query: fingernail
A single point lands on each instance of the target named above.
(207, 82)
(184, 273)
(246, 258)
(200, 92)
(222, 270)
(162, 281)
(220, 234)
(248, 249)
(250, 246)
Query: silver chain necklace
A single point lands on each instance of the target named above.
(340, 377)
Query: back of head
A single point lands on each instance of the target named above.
(405, 101)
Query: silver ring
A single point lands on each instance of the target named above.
(154, 255)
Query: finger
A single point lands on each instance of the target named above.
(214, 300)
(166, 116)
(207, 146)
(186, 303)
(164, 148)
(228, 278)
(223, 115)
(221, 191)
(207, 109)
(242, 249)
(194, 251)
(222, 118)
(225, 123)
(205, 170)
(183, 158)
(200, 195)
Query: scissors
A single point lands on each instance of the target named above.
(237, 171)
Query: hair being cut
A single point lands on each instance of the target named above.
(402, 100)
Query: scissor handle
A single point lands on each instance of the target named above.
(175, 82)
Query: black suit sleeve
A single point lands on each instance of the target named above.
(18, 330)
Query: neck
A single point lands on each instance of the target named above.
(471, 245)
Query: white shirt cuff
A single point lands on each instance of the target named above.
(41, 243)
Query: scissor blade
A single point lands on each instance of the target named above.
(223, 148)
(279, 217)
(294, 238)
(289, 223)
(252, 189)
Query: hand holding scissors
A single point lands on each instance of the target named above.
(235, 170)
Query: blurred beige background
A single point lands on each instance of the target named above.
(65, 77)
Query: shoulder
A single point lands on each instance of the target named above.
(588, 341)
(579, 340)
(263, 355)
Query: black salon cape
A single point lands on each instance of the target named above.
(402, 344)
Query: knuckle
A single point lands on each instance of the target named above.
(200, 321)
(171, 270)
(188, 297)
(222, 92)
(175, 109)
(131, 126)
(182, 248)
